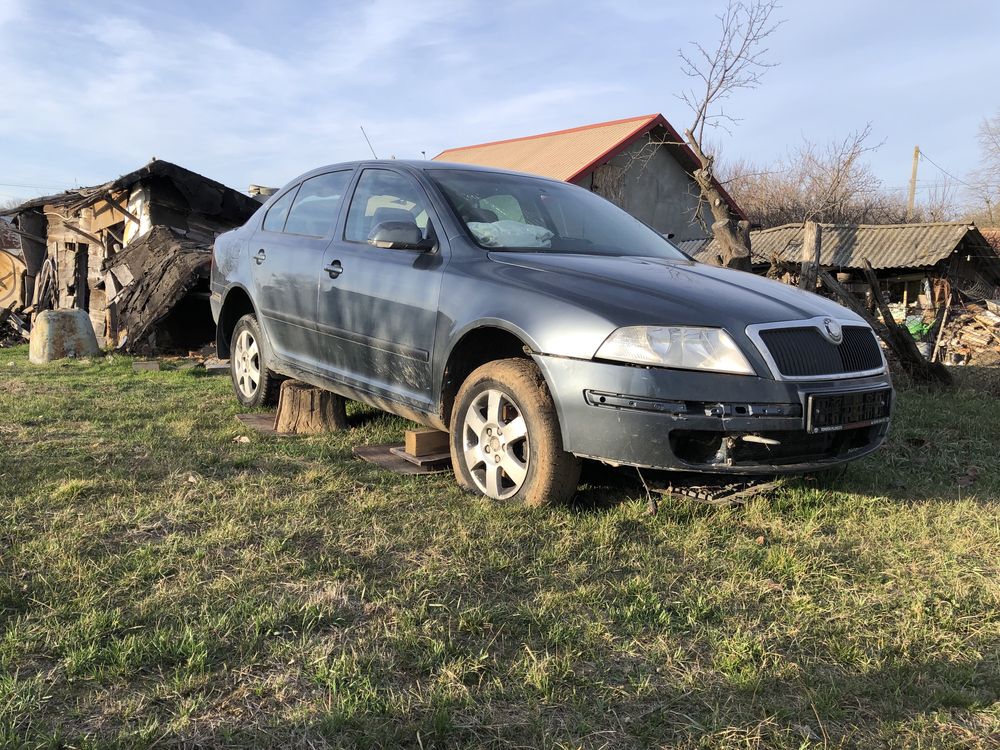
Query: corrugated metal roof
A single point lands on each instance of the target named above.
(848, 245)
(561, 155)
(695, 248)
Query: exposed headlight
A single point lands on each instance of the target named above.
(682, 347)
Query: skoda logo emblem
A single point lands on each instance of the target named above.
(833, 330)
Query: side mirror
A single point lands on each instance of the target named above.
(399, 235)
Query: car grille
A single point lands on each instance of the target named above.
(805, 352)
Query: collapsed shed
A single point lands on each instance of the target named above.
(135, 253)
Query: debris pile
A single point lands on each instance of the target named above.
(971, 336)
(158, 303)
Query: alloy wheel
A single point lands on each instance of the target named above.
(495, 444)
(246, 364)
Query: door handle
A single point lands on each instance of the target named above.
(334, 269)
(260, 256)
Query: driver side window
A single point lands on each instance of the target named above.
(381, 196)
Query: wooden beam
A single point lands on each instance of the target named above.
(88, 235)
(940, 336)
(849, 300)
(116, 237)
(121, 209)
(902, 342)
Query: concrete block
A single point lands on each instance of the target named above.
(57, 334)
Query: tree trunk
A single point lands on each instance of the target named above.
(304, 409)
(731, 235)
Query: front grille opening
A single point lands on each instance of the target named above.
(698, 446)
(805, 352)
(709, 447)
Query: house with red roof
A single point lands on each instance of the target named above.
(639, 163)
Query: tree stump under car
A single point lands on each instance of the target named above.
(304, 409)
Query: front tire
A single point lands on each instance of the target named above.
(505, 437)
(253, 381)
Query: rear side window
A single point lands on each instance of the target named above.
(317, 204)
(278, 212)
(381, 196)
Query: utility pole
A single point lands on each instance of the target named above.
(913, 183)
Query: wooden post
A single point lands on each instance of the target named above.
(940, 336)
(812, 239)
(304, 409)
(911, 198)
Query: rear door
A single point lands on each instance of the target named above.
(378, 307)
(285, 253)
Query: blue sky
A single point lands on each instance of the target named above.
(261, 91)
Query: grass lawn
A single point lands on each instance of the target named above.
(163, 583)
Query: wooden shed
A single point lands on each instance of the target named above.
(915, 263)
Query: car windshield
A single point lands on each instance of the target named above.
(510, 212)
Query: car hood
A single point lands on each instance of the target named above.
(636, 291)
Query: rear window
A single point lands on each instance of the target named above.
(278, 212)
(317, 204)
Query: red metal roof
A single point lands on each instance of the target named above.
(570, 154)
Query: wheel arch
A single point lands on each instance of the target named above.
(485, 341)
(236, 304)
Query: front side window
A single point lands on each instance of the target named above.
(278, 212)
(383, 196)
(317, 204)
(510, 212)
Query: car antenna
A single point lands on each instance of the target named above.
(368, 141)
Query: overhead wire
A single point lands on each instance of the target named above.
(944, 171)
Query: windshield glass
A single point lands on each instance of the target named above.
(509, 212)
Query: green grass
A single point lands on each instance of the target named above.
(161, 583)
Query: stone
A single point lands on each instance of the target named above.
(57, 334)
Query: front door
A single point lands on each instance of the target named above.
(284, 254)
(378, 307)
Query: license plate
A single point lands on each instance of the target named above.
(829, 412)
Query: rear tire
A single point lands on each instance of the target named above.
(505, 437)
(253, 381)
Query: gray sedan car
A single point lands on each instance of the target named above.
(539, 325)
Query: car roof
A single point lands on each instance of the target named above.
(422, 165)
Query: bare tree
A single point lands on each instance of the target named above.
(984, 185)
(830, 183)
(736, 63)
(8, 203)
(941, 202)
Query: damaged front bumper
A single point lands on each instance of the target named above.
(701, 421)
